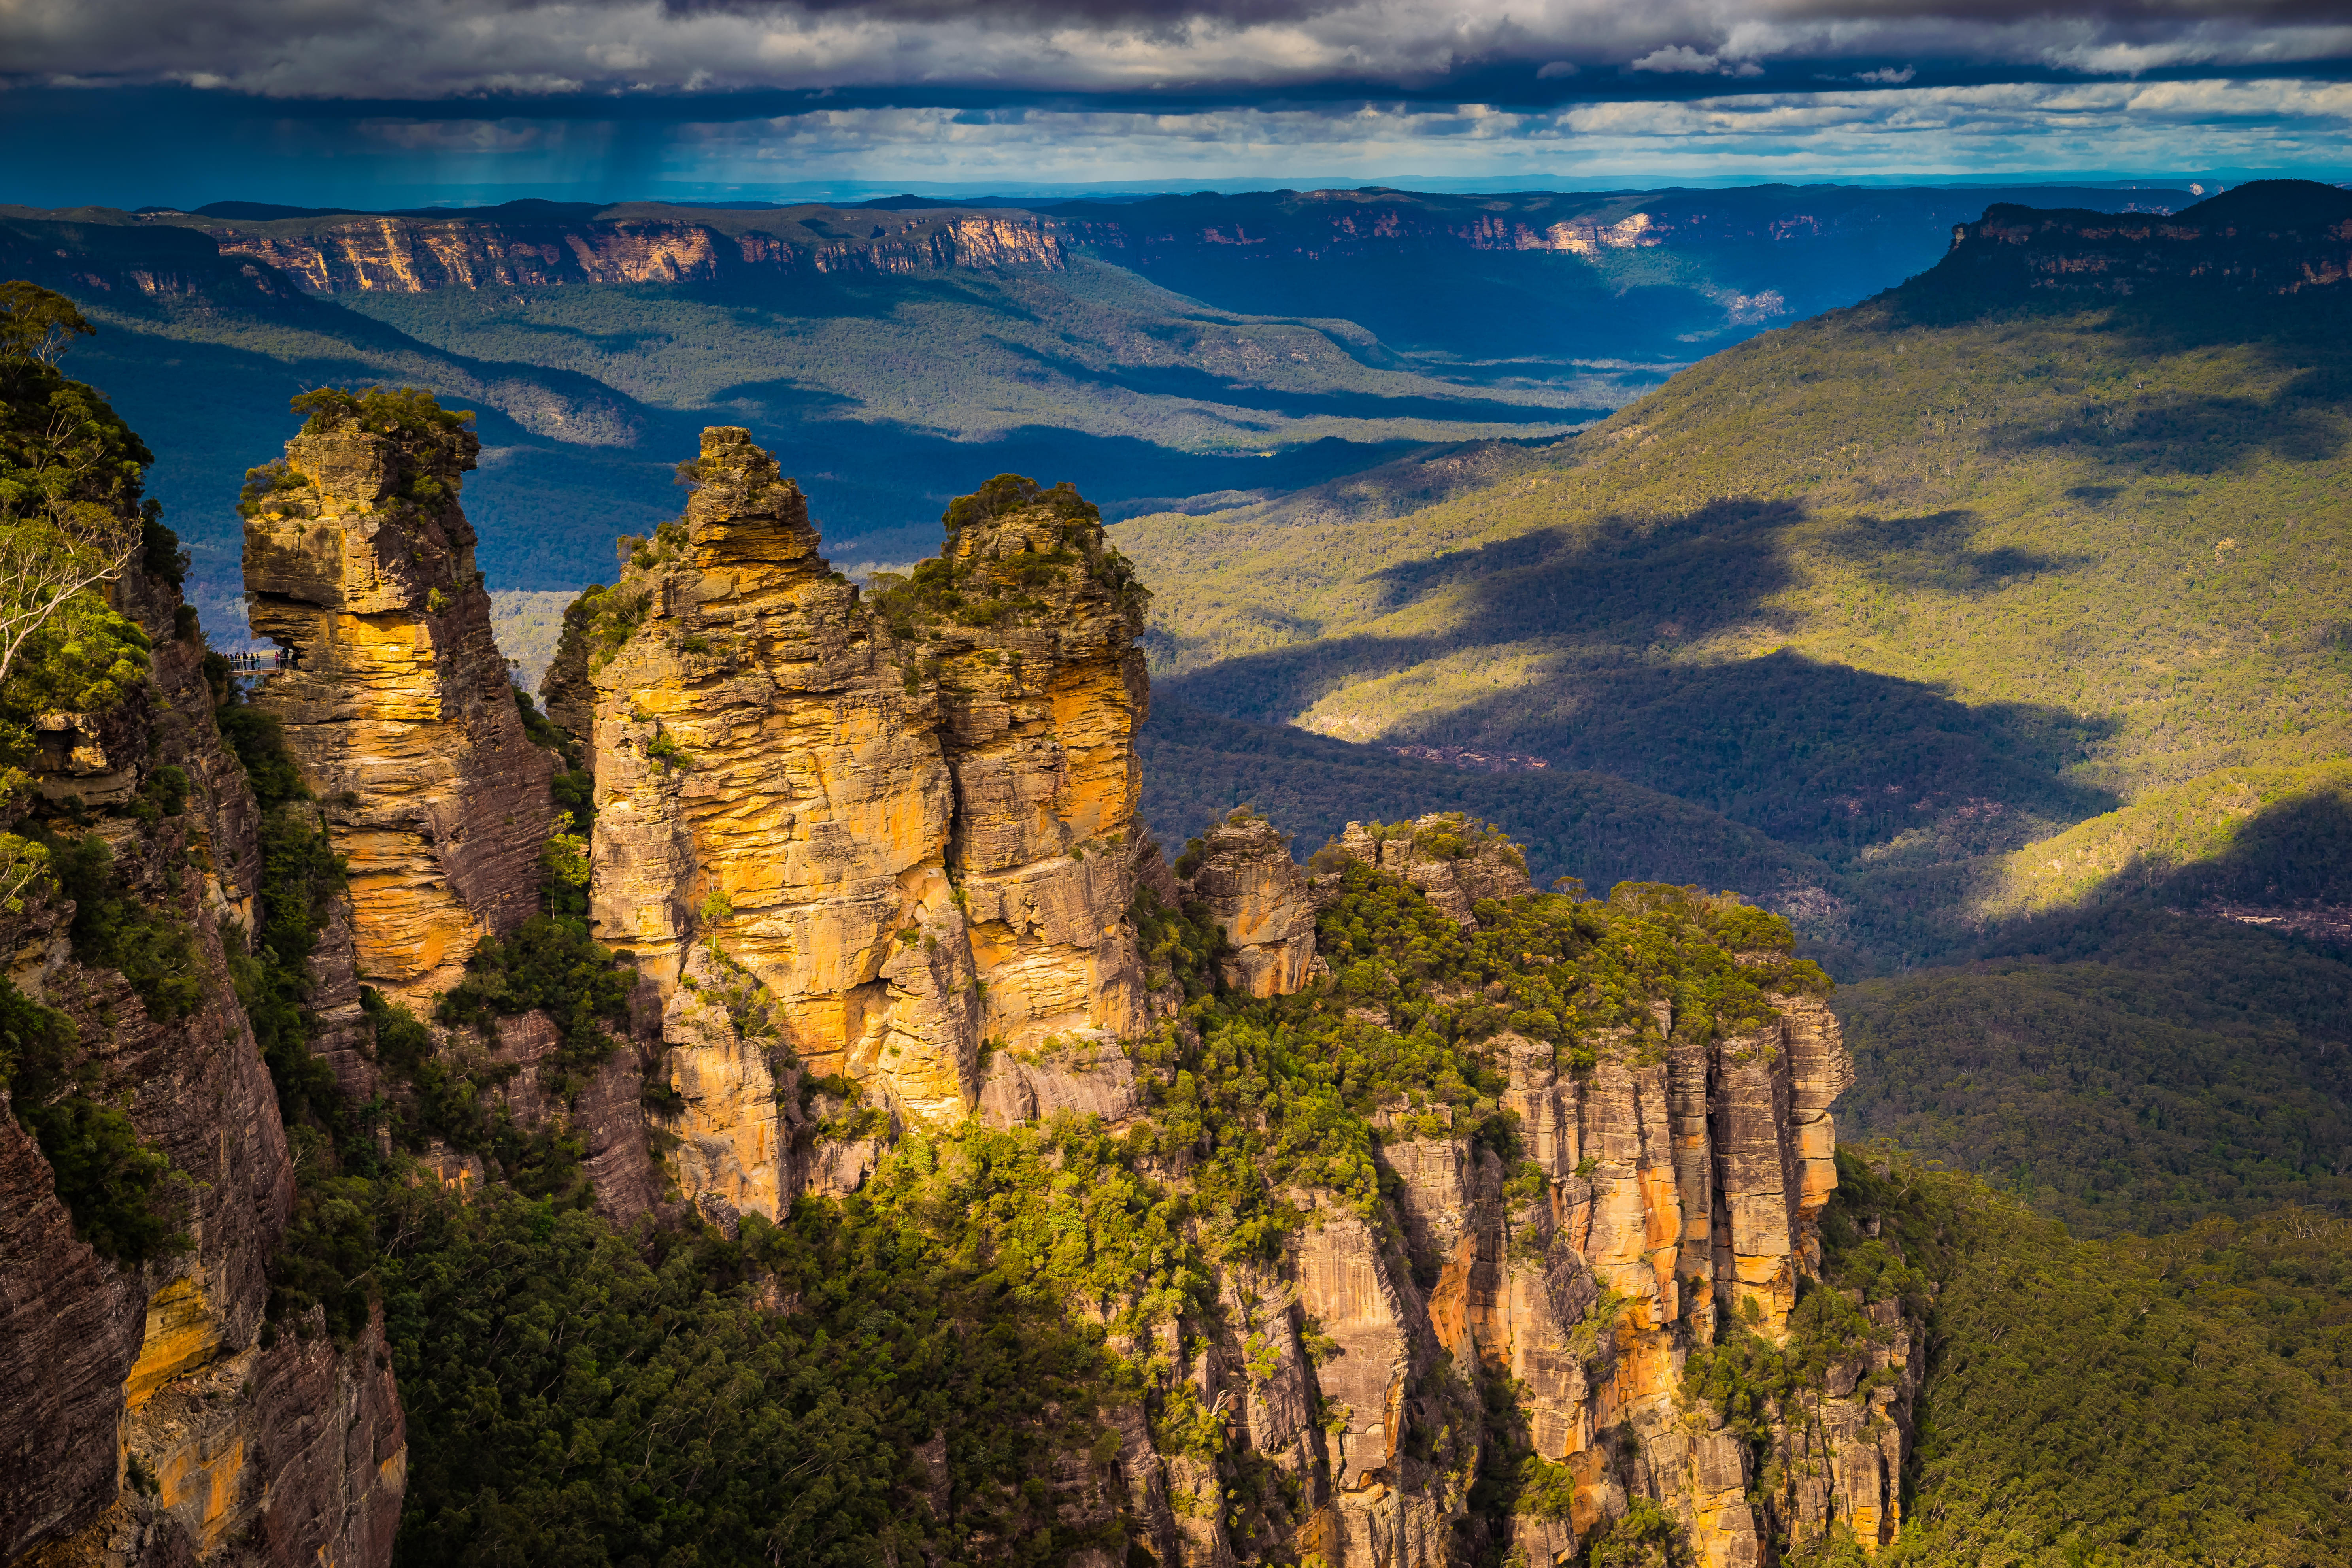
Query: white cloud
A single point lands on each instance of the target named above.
(1854, 132)
(1678, 58)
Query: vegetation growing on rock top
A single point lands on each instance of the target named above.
(1020, 577)
(432, 446)
(1300, 1090)
(404, 412)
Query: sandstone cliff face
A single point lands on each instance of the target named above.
(1258, 894)
(2268, 238)
(1042, 690)
(280, 1453)
(398, 707)
(635, 243)
(765, 778)
(1676, 1191)
(909, 828)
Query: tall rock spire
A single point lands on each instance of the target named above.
(358, 561)
(908, 821)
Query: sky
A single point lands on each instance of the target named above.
(360, 102)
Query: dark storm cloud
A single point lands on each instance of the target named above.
(337, 98)
(434, 49)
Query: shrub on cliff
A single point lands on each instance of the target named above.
(114, 1185)
(552, 963)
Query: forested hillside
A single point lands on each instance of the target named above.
(2010, 594)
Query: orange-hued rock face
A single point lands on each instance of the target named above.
(765, 779)
(398, 707)
(910, 826)
(1652, 1197)
(1260, 896)
(1040, 707)
(356, 253)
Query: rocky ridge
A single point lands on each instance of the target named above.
(1660, 1197)
(631, 243)
(873, 860)
(878, 852)
(153, 1416)
(2265, 237)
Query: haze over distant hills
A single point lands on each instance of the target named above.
(1193, 351)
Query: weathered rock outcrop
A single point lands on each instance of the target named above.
(1259, 895)
(359, 560)
(907, 824)
(1454, 860)
(146, 1415)
(1667, 1191)
(1032, 622)
(767, 778)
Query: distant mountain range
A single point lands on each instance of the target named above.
(1190, 352)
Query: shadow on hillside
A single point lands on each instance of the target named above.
(1936, 553)
(1199, 765)
(2307, 337)
(1625, 580)
(782, 400)
(2287, 870)
(793, 297)
(2182, 433)
(1819, 755)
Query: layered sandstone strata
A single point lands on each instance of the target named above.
(634, 243)
(1030, 623)
(143, 1420)
(360, 562)
(1679, 1200)
(908, 824)
(1261, 898)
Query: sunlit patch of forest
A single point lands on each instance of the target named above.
(1907, 597)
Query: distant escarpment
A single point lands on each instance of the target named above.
(159, 1401)
(2267, 238)
(541, 245)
